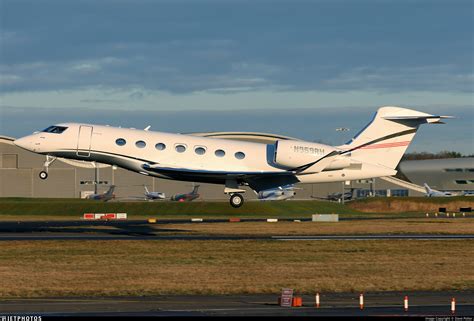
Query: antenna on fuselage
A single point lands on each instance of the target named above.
(147, 128)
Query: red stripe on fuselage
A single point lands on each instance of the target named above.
(385, 145)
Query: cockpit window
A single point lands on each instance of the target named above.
(55, 129)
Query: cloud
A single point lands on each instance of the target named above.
(436, 77)
(226, 47)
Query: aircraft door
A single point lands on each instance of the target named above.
(84, 141)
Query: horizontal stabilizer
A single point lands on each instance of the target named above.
(415, 117)
(430, 119)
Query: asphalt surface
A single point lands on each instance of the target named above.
(142, 230)
(110, 237)
(331, 304)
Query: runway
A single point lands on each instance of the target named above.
(111, 237)
(19, 226)
(142, 230)
(332, 304)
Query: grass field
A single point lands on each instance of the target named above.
(411, 204)
(33, 208)
(440, 226)
(28, 208)
(96, 268)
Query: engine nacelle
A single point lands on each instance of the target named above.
(295, 153)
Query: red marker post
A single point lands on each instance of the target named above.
(361, 301)
(405, 303)
(453, 305)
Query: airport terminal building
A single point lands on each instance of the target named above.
(19, 170)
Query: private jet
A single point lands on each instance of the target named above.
(106, 196)
(187, 197)
(374, 152)
(435, 193)
(153, 195)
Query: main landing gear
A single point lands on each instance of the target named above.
(232, 188)
(236, 200)
(49, 160)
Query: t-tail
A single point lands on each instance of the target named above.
(427, 189)
(110, 192)
(146, 190)
(195, 189)
(386, 138)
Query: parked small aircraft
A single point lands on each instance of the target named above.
(188, 197)
(374, 152)
(153, 195)
(106, 196)
(338, 196)
(277, 194)
(434, 193)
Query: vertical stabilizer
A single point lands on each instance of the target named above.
(427, 188)
(111, 190)
(386, 138)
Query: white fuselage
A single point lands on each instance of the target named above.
(191, 158)
(155, 196)
(374, 152)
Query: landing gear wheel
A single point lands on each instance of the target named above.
(43, 175)
(236, 200)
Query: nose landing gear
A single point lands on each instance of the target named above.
(44, 173)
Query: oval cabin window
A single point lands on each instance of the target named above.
(120, 142)
(180, 148)
(140, 144)
(160, 146)
(239, 155)
(200, 150)
(219, 153)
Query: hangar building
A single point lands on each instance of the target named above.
(451, 174)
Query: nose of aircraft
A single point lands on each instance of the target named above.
(24, 142)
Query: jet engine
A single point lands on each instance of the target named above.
(294, 153)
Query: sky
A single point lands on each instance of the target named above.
(297, 68)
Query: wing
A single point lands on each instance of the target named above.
(257, 180)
